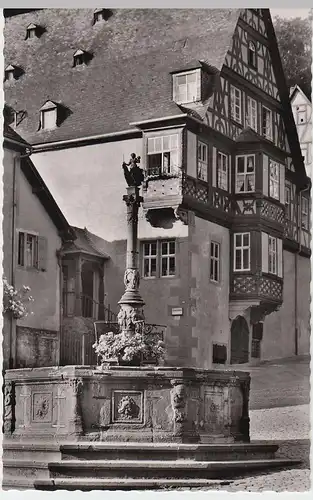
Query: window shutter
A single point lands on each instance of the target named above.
(264, 252)
(175, 88)
(214, 167)
(280, 257)
(192, 154)
(42, 253)
(265, 175)
(282, 184)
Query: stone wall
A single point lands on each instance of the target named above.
(279, 327)
(127, 404)
(36, 348)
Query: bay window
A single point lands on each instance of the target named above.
(267, 123)
(274, 169)
(245, 173)
(162, 155)
(202, 167)
(272, 255)
(242, 252)
(222, 171)
(305, 213)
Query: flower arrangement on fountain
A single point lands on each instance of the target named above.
(16, 301)
(129, 347)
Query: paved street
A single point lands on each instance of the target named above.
(279, 411)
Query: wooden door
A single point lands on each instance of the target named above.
(239, 341)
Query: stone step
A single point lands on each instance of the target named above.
(24, 469)
(85, 484)
(170, 451)
(154, 469)
(25, 450)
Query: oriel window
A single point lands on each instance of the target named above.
(222, 171)
(245, 173)
(274, 179)
(267, 123)
(202, 170)
(162, 155)
(242, 252)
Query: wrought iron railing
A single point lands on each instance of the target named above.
(89, 308)
(77, 347)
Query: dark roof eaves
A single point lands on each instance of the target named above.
(48, 202)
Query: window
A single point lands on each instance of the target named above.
(242, 252)
(215, 262)
(99, 15)
(235, 104)
(159, 258)
(149, 259)
(48, 119)
(245, 174)
(252, 57)
(31, 31)
(301, 114)
(288, 201)
(222, 171)
(305, 213)
(9, 73)
(272, 255)
(78, 58)
(251, 115)
(187, 87)
(267, 123)
(27, 250)
(274, 179)
(304, 151)
(202, 171)
(48, 116)
(162, 155)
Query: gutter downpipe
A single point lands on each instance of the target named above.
(296, 266)
(16, 162)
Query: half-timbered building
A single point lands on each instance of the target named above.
(302, 112)
(201, 96)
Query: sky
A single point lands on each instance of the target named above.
(290, 12)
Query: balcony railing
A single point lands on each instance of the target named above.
(212, 196)
(260, 287)
(89, 308)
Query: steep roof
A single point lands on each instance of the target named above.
(87, 242)
(12, 138)
(129, 78)
(296, 89)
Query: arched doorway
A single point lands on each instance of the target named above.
(239, 341)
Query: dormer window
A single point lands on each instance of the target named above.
(99, 15)
(31, 31)
(9, 73)
(48, 116)
(187, 86)
(252, 58)
(81, 57)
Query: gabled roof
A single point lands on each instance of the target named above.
(88, 243)
(12, 138)
(296, 89)
(13, 141)
(46, 199)
(134, 54)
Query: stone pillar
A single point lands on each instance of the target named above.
(76, 423)
(131, 317)
(8, 408)
(78, 287)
